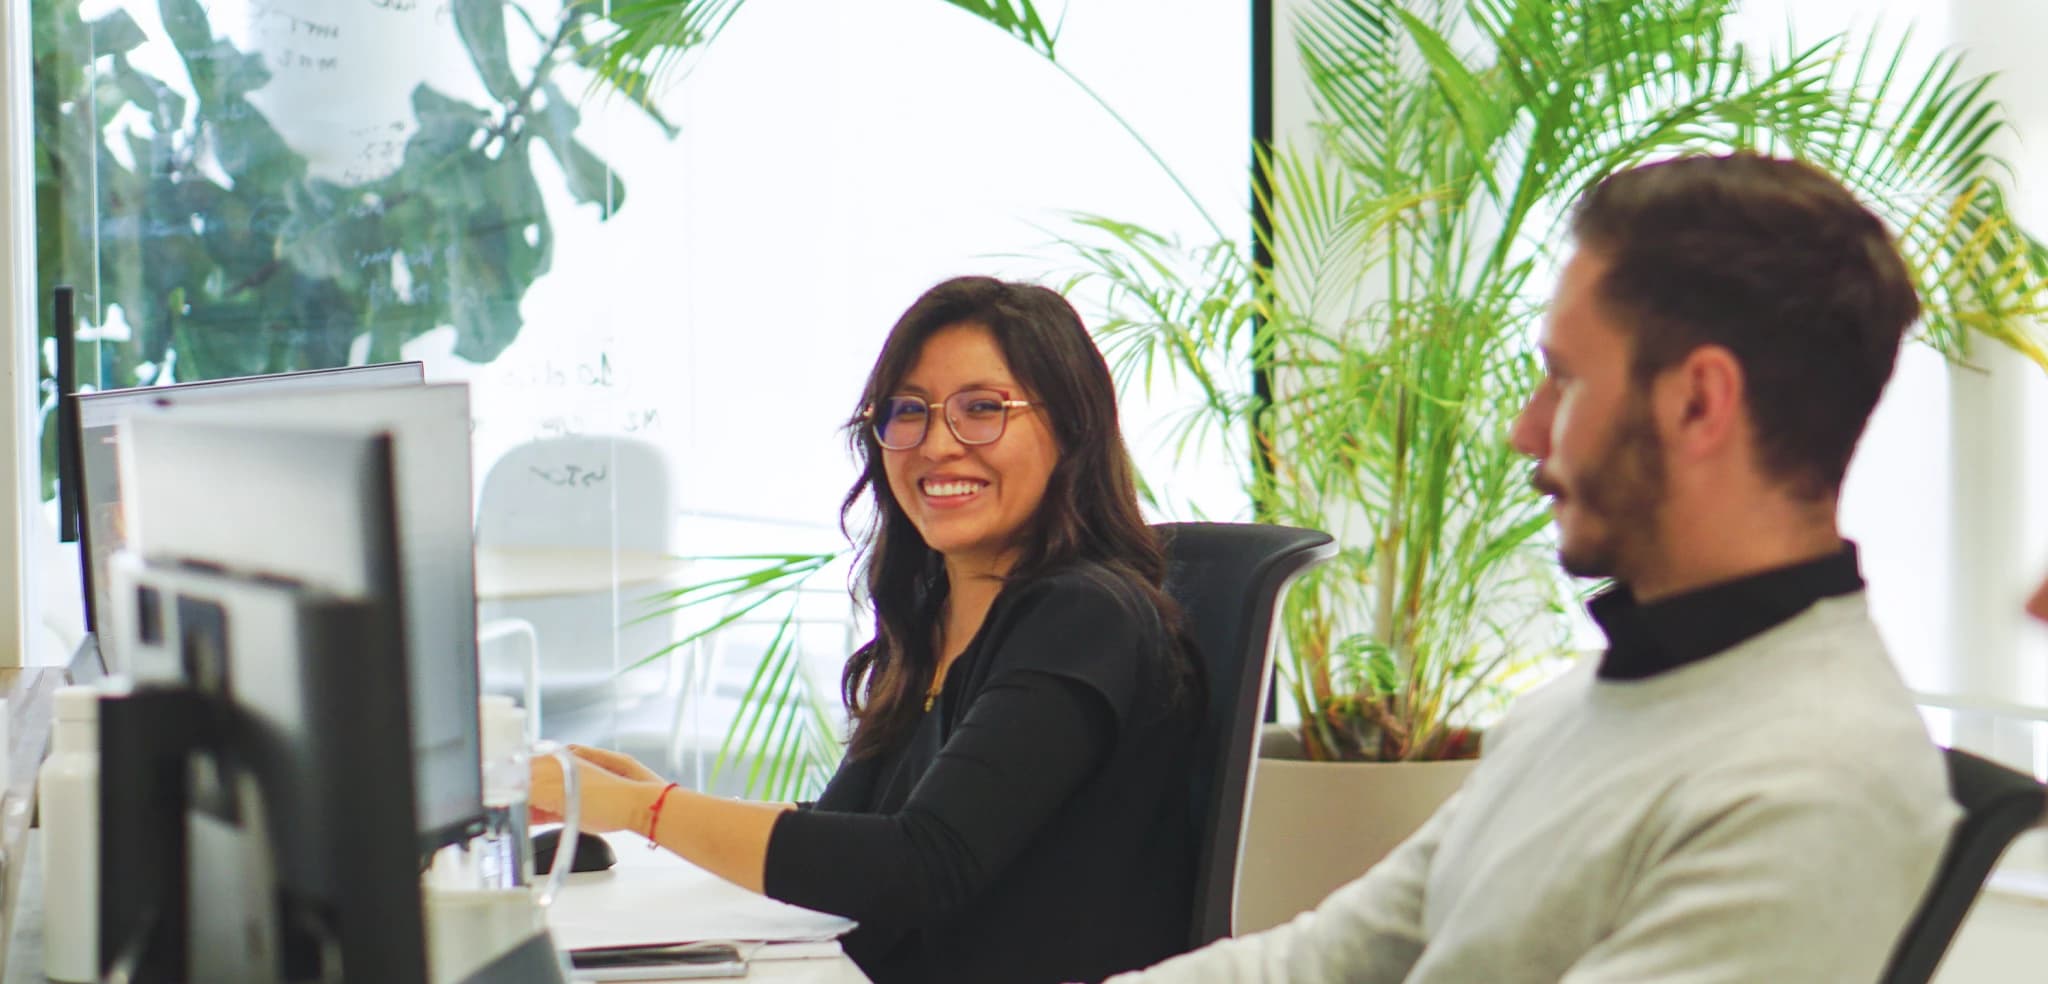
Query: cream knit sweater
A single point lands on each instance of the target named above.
(1770, 813)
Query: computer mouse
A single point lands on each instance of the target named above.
(593, 853)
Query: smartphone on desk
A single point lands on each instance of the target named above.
(657, 962)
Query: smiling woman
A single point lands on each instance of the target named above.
(1013, 803)
(969, 488)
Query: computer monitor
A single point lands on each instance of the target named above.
(257, 819)
(429, 430)
(95, 492)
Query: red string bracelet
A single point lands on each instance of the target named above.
(654, 815)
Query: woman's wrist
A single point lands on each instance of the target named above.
(663, 798)
(640, 814)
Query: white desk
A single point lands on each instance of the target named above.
(797, 963)
(654, 896)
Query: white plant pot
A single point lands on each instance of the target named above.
(1316, 825)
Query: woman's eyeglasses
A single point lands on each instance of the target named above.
(975, 416)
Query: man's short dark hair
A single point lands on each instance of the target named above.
(1775, 261)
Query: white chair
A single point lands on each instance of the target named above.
(573, 533)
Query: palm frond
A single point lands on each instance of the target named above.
(783, 727)
(1915, 142)
(1017, 18)
(647, 40)
(782, 730)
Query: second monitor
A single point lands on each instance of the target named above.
(265, 518)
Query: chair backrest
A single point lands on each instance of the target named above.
(577, 491)
(1227, 578)
(1998, 804)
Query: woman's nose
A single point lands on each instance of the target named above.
(939, 441)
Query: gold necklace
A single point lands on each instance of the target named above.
(931, 693)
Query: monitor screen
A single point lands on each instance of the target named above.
(102, 530)
(268, 511)
(256, 819)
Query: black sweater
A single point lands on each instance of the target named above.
(1035, 825)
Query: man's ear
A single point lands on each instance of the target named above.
(1700, 401)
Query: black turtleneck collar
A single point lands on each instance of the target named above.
(1645, 640)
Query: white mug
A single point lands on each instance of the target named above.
(468, 928)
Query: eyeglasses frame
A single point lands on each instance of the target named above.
(1008, 405)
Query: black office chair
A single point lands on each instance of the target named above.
(1998, 804)
(1227, 578)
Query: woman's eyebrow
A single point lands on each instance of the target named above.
(1005, 385)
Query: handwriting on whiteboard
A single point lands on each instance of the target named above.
(571, 476)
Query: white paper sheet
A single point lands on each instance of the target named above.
(656, 897)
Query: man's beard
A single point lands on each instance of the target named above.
(1616, 499)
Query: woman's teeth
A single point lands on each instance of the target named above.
(939, 490)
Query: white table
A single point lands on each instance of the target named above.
(653, 896)
(806, 963)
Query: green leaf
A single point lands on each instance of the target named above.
(591, 180)
(488, 226)
(446, 127)
(166, 108)
(248, 147)
(1017, 18)
(481, 23)
(650, 38)
(1479, 118)
(630, 82)
(116, 34)
(187, 24)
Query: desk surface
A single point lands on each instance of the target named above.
(653, 896)
(794, 964)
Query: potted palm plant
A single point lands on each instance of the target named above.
(1368, 372)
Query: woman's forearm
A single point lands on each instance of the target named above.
(728, 838)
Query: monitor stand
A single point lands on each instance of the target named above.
(87, 666)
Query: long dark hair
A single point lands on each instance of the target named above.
(1089, 513)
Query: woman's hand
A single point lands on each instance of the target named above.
(725, 837)
(615, 790)
(615, 762)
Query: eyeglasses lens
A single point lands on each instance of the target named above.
(901, 423)
(976, 415)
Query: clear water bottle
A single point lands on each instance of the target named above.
(504, 854)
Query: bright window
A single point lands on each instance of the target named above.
(670, 380)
